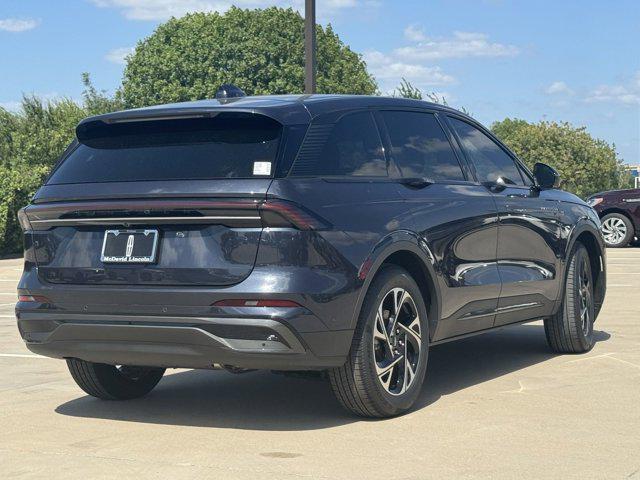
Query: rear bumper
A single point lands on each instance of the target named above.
(181, 342)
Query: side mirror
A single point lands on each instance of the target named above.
(546, 176)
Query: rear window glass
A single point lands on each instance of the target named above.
(229, 145)
(352, 147)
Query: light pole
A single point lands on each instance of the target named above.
(310, 46)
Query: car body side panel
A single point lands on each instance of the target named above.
(459, 224)
(360, 215)
(530, 252)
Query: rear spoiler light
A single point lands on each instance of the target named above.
(233, 213)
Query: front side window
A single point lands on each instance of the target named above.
(490, 160)
(420, 147)
(352, 148)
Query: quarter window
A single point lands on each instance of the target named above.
(351, 148)
(420, 147)
(490, 160)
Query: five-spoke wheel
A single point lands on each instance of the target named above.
(397, 342)
(388, 359)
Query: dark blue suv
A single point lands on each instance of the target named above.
(341, 234)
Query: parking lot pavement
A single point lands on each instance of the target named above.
(498, 405)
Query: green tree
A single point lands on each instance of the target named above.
(31, 141)
(98, 101)
(586, 164)
(407, 90)
(260, 51)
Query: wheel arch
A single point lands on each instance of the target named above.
(592, 241)
(406, 250)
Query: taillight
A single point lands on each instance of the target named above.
(280, 213)
(240, 302)
(23, 220)
(33, 298)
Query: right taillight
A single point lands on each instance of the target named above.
(280, 213)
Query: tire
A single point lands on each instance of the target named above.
(617, 229)
(375, 381)
(571, 329)
(109, 382)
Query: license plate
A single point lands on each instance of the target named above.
(129, 246)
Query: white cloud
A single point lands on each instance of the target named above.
(559, 88)
(461, 45)
(389, 71)
(164, 9)
(119, 55)
(414, 33)
(628, 94)
(18, 24)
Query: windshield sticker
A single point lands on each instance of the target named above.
(262, 168)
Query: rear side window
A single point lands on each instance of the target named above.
(352, 147)
(229, 145)
(490, 160)
(420, 147)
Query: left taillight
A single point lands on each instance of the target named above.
(33, 298)
(24, 220)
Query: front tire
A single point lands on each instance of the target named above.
(110, 382)
(387, 362)
(617, 230)
(571, 329)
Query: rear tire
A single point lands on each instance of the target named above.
(109, 382)
(387, 362)
(617, 230)
(571, 329)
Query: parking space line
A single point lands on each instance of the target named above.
(7, 304)
(21, 355)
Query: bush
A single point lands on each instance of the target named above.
(17, 186)
(31, 141)
(260, 51)
(587, 165)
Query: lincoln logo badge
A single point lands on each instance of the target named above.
(129, 250)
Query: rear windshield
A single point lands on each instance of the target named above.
(229, 145)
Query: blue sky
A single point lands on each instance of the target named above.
(570, 60)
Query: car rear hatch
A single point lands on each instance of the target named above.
(161, 201)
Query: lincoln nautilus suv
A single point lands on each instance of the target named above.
(345, 235)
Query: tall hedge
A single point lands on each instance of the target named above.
(260, 51)
(31, 141)
(586, 164)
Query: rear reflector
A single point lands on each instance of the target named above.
(239, 302)
(33, 298)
